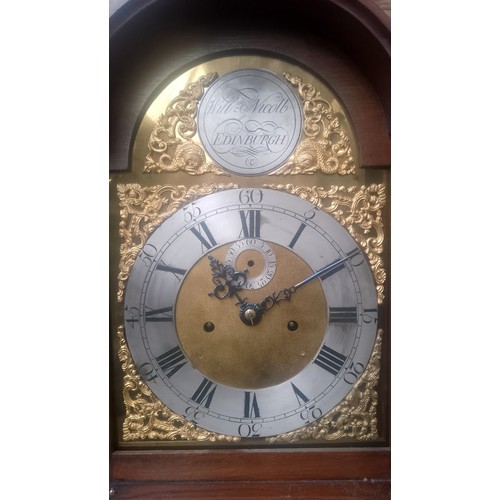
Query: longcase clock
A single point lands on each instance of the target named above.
(249, 259)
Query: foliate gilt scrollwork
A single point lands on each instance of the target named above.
(355, 417)
(142, 209)
(359, 210)
(171, 147)
(326, 147)
(146, 417)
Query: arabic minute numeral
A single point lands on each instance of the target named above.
(249, 430)
(147, 254)
(369, 316)
(311, 413)
(193, 414)
(357, 257)
(191, 212)
(147, 372)
(356, 369)
(134, 315)
(251, 196)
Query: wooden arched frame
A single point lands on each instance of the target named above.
(346, 43)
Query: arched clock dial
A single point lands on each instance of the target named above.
(254, 360)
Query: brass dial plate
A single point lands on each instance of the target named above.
(246, 356)
(333, 294)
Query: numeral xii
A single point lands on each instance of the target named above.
(250, 223)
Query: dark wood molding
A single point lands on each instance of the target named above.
(251, 474)
(192, 490)
(366, 489)
(251, 465)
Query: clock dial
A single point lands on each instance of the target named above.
(253, 360)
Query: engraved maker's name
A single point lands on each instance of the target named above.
(248, 101)
(222, 139)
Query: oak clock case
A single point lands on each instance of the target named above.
(248, 307)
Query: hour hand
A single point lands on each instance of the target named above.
(227, 281)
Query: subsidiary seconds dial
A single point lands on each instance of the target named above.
(196, 288)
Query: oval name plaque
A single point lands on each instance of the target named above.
(249, 121)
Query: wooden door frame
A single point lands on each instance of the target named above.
(360, 31)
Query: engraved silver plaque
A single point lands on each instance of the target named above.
(249, 121)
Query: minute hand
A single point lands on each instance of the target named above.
(337, 264)
(286, 293)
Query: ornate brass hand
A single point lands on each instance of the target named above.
(227, 281)
(251, 313)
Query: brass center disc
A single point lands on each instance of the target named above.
(245, 356)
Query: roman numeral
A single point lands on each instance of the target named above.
(297, 235)
(177, 272)
(251, 409)
(301, 397)
(330, 360)
(162, 315)
(208, 234)
(250, 223)
(172, 361)
(204, 393)
(343, 314)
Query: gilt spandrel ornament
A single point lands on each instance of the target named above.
(142, 209)
(326, 146)
(171, 147)
(251, 122)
